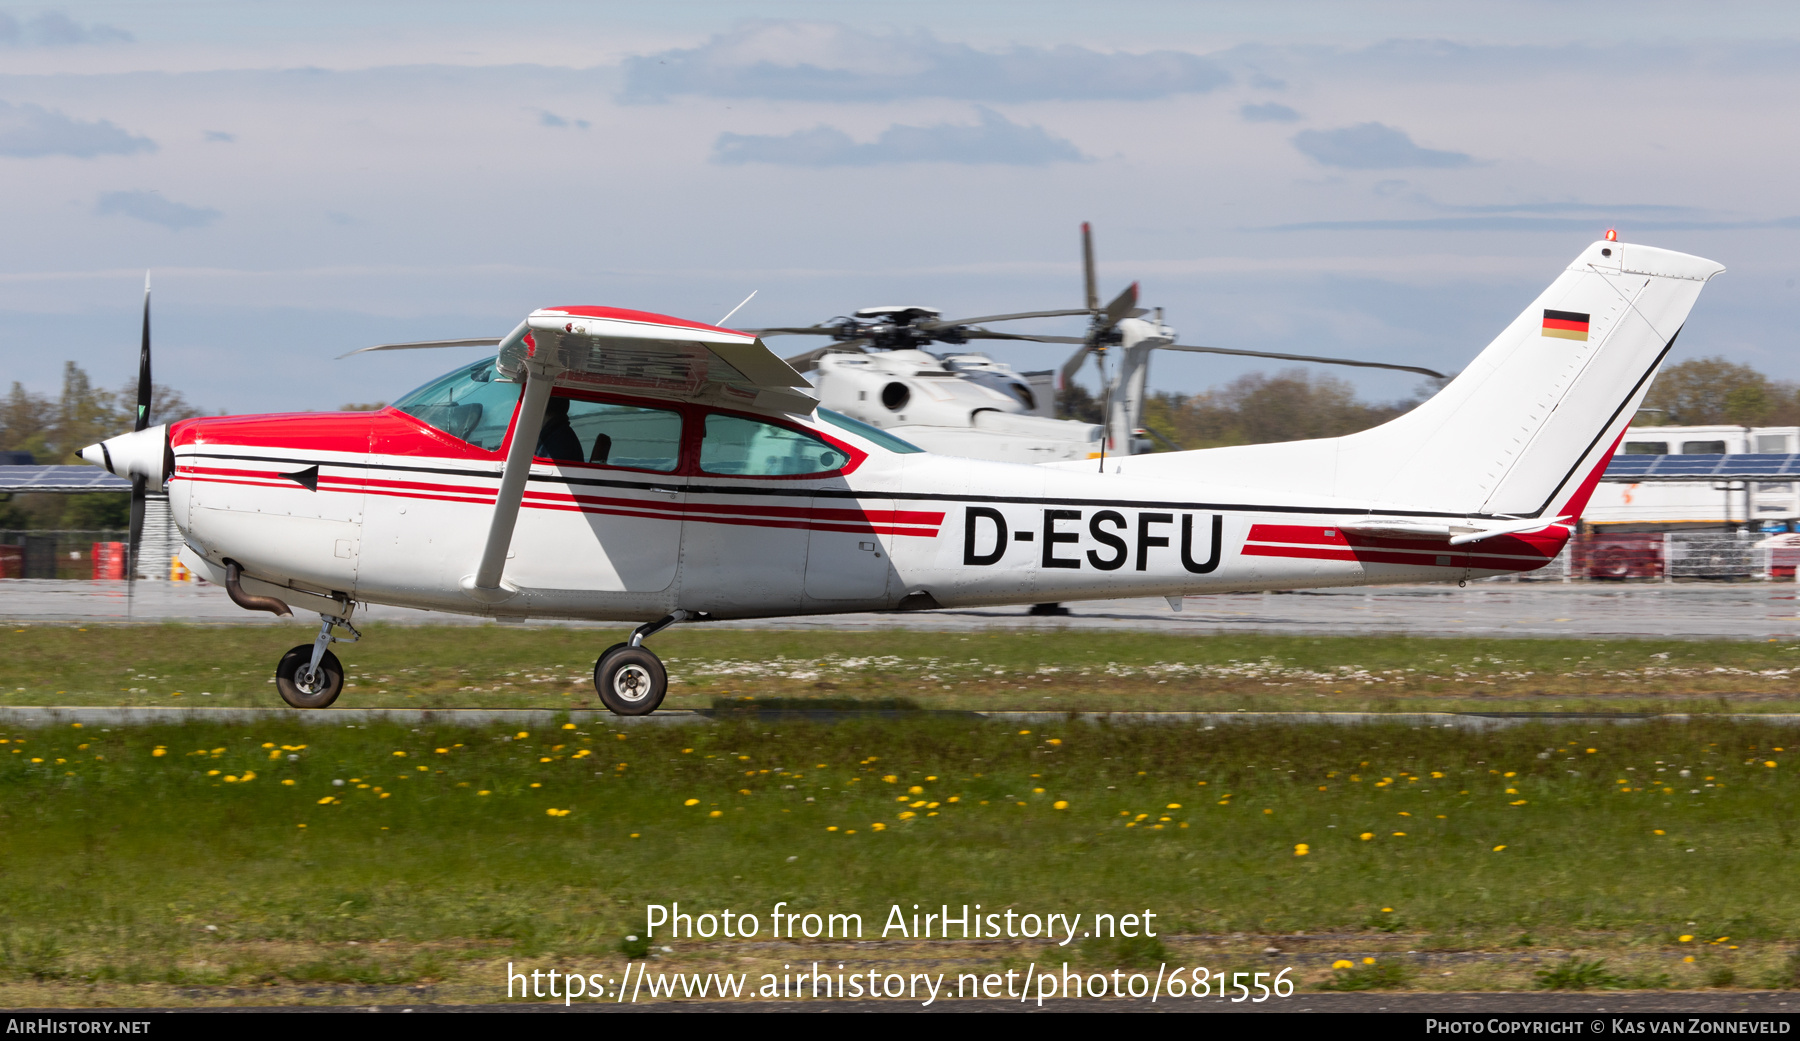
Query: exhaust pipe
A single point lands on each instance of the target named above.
(248, 601)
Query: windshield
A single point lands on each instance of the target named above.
(867, 432)
(472, 404)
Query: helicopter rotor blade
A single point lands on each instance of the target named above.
(1087, 268)
(479, 341)
(1066, 375)
(985, 334)
(1122, 307)
(810, 360)
(794, 330)
(942, 324)
(1304, 357)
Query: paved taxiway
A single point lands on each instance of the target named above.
(1750, 610)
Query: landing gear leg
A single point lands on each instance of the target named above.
(310, 676)
(1050, 610)
(630, 679)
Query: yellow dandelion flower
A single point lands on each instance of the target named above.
(1060, 804)
(1499, 848)
(325, 801)
(1301, 849)
(159, 752)
(385, 795)
(229, 778)
(1399, 834)
(484, 792)
(1366, 836)
(441, 751)
(716, 813)
(907, 814)
(1658, 831)
(890, 778)
(1054, 741)
(621, 737)
(691, 802)
(1343, 963)
(1689, 959)
(832, 828)
(877, 826)
(1685, 938)
(537, 784)
(568, 726)
(209, 773)
(1024, 731)
(1769, 762)
(1368, 961)
(1519, 802)
(1037, 791)
(521, 735)
(914, 790)
(289, 781)
(299, 825)
(1173, 806)
(401, 754)
(1268, 811)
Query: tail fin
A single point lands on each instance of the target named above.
(1524, 430)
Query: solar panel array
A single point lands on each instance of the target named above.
(60, 479)
(1737, 467)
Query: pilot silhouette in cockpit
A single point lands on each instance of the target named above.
(557, 439)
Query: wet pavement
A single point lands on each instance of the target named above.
(1745, 610)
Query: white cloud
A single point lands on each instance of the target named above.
(30, 131)
(1268, 112)
(822, 62)
(54, 29)
(1372, 146)
(154, 209)
(995, 140)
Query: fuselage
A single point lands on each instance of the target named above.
(708, 507)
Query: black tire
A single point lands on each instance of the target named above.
(630, 680)
(297, 696)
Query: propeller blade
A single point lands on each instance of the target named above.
(143, 390)
(479, 341)
(810, 360)
(1304, 357)
(139, 491)
(1087, 268)
(998, 318)
(139, 488)
(1069, 368)
(1122, 307)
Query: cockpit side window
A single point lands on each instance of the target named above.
(611, 435)
(745, 447)
(471, 404)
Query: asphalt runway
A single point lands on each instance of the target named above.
(1746, 610)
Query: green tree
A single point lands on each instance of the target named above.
(1707, 391)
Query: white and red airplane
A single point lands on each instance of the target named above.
(620, 466)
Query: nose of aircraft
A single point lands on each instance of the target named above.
(143, 453)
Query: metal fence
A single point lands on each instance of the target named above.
(53, 554)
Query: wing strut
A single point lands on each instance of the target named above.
(486, 583)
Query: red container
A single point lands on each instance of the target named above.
(12, 562)
(109, 560)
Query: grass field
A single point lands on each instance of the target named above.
(496, 666)
(223, 864)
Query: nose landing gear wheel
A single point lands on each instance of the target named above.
(317, 690)
(630, 680)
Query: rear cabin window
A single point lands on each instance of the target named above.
(749, 448)
(1646, 448)
(471, 404)
(611, 435)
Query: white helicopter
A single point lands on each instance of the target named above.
(879, 368)
(610, 464)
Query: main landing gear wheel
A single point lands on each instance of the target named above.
(303, 687)
(631, 681)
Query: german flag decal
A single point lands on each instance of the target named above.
(1567, 325)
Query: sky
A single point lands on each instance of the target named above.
(1382, 180)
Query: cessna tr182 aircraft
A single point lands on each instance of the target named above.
(616, 465)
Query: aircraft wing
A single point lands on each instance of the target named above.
(616, 349)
